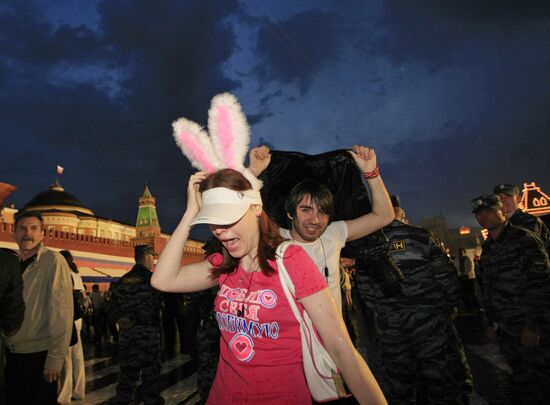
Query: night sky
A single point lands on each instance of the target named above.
(454, 96)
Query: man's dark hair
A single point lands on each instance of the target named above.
(140, 251)
(29, 214)
(70, 260)
(318, 192)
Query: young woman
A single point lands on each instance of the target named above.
(260, 348)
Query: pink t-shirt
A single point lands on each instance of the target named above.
(261, 351)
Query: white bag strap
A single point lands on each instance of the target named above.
(315, 355)
(286, 281)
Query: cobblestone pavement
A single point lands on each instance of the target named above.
(491, 373)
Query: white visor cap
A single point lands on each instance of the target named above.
(223, 206)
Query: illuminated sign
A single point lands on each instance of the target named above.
(534, 200)
(464, 230)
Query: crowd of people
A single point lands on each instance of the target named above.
(47, 313)
(234, 320)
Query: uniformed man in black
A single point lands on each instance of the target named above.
(12, 306)
(516, 277)
(135, 306)
(417, 340)
(510, 197)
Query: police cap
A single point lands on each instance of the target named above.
(508, 189)
(486, 201)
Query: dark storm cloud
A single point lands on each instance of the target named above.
(297, 48)
(112, 134)
(28, 39)
(443, 175)
(430, 31)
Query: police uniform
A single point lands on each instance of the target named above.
(208, 344)
(418, 342)
(135, 305)
(517, 296)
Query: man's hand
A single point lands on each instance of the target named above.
(259, 157)
(491, 334)
(50, 376)
(364, 157)
(529, 338)
(454, 313)
(124, 323)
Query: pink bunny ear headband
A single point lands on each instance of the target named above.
(227, 145)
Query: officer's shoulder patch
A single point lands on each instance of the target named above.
(397, 246)
(131, 280)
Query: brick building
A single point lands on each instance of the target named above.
(102, 248)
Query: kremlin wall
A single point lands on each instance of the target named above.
(102, 248)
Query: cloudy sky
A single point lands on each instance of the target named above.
(454, 96)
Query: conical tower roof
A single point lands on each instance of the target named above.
(147, 223)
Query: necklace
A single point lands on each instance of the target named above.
(325, 269)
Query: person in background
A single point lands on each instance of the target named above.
(87, 319)
(111, 330)
(421, 351)
(516, 278)
(12, 306)
(467, 277)
(511, 201)
(172, 321)
(98, 315)
(208, 336)
(135, 306)
(72, 384)
(35, 354)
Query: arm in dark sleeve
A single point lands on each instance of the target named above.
(444, 272)
(113, 307)
(536, 267)
(11, 295)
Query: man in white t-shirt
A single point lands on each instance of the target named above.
(309, 207)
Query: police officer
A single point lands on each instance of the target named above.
(517, 299)
(510, 198)
(417, 340)
(135, 306)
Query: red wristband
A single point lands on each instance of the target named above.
(373, 174)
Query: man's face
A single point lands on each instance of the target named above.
(509, 204)
(489, 218)
(28, 234)
(309, 222)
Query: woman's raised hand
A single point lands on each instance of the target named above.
(194, 198)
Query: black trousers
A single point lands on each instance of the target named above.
(139, 351)
(25, 383)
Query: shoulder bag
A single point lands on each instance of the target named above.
(323, 379)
